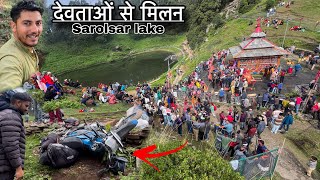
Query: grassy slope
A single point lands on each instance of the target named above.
(306, 9)
(307, 144)
(33, 169)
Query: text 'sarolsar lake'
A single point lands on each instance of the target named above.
(132, 69)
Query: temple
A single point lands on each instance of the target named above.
(257, 52)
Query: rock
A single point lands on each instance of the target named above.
(138, 163)
(117, 48)
(133, 136)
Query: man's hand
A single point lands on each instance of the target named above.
(19, 173)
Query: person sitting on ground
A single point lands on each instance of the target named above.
(84, 98)
(102, 98)
(112, 99)
(88, 100)
(128, 98)
(47, 79)
(120, 95)
(76, 84)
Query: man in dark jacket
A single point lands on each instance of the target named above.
(12, 136)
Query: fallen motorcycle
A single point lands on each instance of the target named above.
(93, 139)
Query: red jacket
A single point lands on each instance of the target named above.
(252, 132)
(230, 118)
(222, 116)
(47, 79)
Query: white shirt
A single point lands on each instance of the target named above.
(163, 110)
(276, 113)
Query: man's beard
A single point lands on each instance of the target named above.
(21, 112)
(24, 39)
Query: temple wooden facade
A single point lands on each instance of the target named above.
(257, 52)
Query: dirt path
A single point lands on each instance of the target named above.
(231, 8)
(187, 49)
(291, 164)
(179, 77)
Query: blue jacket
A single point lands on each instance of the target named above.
(288, 120)
(265, 97)
(221, 93)
(297, 67)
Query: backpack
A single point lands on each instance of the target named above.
(58, 156)
(46, 141)
(118, 164)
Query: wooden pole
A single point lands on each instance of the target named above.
(309, 93)
(279, 152)
(285, 33)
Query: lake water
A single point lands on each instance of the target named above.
(141, 67)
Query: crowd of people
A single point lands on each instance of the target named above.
(104, 93)
(195, 104)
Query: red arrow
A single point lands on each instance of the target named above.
(143, 153)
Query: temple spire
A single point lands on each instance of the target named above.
(258, 33)
(258, 27)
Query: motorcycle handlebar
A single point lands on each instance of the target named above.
(126, 128)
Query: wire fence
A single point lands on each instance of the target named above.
(258, 166)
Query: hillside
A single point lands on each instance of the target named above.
(240, 26)
(236, 29)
